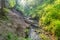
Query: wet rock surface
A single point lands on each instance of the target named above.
(32, 30)
(33, 34)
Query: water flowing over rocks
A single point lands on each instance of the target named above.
(17, 24)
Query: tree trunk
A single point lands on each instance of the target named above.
(2, 8)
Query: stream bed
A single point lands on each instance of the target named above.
(33, 35)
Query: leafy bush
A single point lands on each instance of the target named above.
(11, 36)
(51, 18)
(44, 37)
(12, 3)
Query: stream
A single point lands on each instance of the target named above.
(33, 35)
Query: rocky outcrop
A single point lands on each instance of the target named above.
(15, 24)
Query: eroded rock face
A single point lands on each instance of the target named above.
(15, 24)
(18, 22)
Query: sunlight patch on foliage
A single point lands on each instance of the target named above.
(12, 3)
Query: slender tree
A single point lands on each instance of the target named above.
(2, 7)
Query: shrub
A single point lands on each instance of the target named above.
(44, 37)
(11, 36)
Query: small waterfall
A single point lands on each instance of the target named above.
(33, 35)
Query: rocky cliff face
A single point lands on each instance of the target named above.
(15, 24)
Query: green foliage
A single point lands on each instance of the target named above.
(11, 36)
(57, 28)
(12, 3)
(6, 10)
(4, 16)
(44, 37)
(50, 18)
